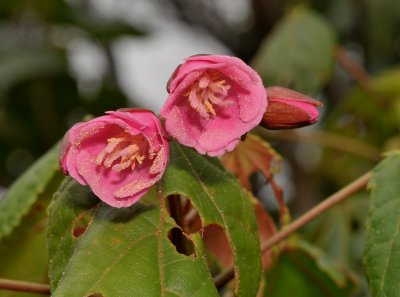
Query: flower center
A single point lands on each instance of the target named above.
(124, 151)
(207, 91)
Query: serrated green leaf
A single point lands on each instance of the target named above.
(219, 199)
(298, 53)
(303, 269)
(23, 254)
(24, 191)
(77, 201)
(382, 253)
(123, 252)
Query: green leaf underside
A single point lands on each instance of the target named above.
(382, 254)
(25, 191)
(304, 271)
(124, 252)
(219, 199)
(299, 52)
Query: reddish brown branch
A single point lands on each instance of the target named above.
(13, 285)
(223, 278)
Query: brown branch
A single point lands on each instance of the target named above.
(13, 285)
(223, 278)
(331, 140)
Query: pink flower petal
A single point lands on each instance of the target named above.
(213, 101)
(119, 155)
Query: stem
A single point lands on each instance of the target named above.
(224, 277)
(335, 141)
(21, 286)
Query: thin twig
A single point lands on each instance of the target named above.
(331, 140)
(224, 277)
(13, 285)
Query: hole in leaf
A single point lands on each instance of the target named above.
(182, 243)
(218, 250)
(355, 225)
(81, 224)
(217, 245)
(184, 214)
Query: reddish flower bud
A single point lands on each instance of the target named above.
(289, 109)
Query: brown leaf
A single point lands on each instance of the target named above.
(250, 156)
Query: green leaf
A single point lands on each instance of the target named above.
(123, 252)
(120, 252)
(298, 53)
(382, 253)
(23, 254)
(219, 199)
(360, 106)
(25, 191)
(302, 269)
(64, 213)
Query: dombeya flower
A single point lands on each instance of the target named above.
(289, 109)
(213, 100)
(119, 155)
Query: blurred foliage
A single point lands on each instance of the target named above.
(309, 63)
(39, 99)
(304, 269)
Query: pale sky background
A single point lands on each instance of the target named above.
(145, 64)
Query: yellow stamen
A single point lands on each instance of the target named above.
(124, 151)
(208, 91)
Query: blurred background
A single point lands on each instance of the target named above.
(61, 60)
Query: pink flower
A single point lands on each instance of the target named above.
(289, 109)
(119, 155)
(213, 100)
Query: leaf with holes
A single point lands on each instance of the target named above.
(219, 199)
(299, 53)
(25, 191)
(65, 225)
(97, 250)
(250, 156)
(302, 268)
(218, 247)
(382, 254)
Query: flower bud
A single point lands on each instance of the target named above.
(289, 109)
